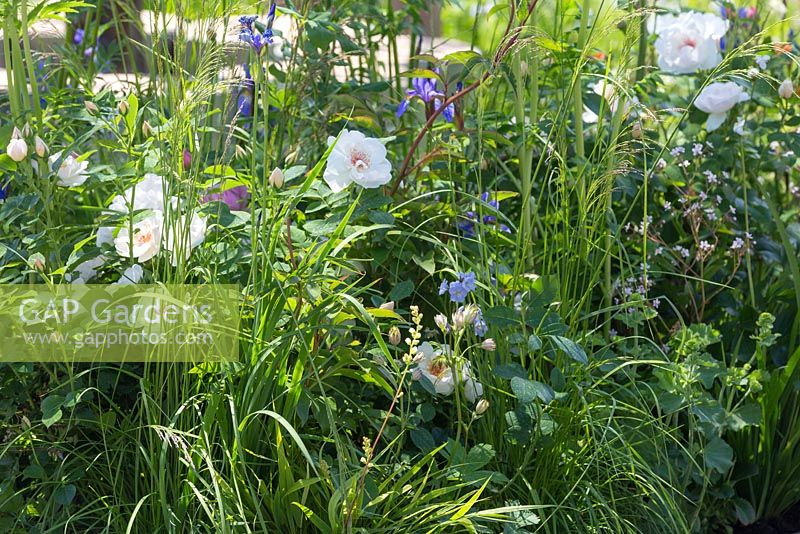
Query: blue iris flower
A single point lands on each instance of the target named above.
(77, 38)
(257, 35)
(425, 90)
(4, 187)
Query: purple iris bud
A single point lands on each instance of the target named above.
(449, 112)
(443, 287)
(722, 43)
(4, 187)
(236, 198)
(489, 219)
(187, 159)
(271, 15)
(402, 108)
(77, 38)
(504, 228)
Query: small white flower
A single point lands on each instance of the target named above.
(441, 322)
(717, 99)
(738, 127)
(131, 275)
(146, 238)
(359, 159)
(71, 172)
(689, 42)
(762, 60)
(786, 89)
(17, 148)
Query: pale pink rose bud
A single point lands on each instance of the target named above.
(488, 344)
(388, 305)
(40, 147)
(91, 107)
(481, 407)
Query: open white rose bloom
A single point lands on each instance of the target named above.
(437, 365)
(358, 159)
(142, 241)
(717, 99)
(165, 225)
(688, 42)
(70, 171)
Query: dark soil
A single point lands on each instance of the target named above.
(788, 523)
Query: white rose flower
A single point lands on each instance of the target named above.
(178, 238)
(131, 275)
(433, 365)
(88, 270)
(689, 42)
(146, 238)
(105, 236)
(717, 99)
(357, 158)
(147, 194)
(71, 172)
(17, 148)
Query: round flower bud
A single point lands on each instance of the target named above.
(276, 178)
(123, 107)
(786, 89)
(91, 107)
(394, 335)
(17, 149)
(481, 407)
(488, 344)
(147, 130)
(40, 147)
